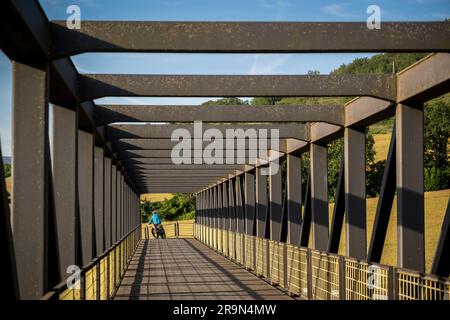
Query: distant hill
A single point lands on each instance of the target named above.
(7, 160)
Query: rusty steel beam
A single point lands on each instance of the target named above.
(171, 166)
(25, 32)
(365, 111)
(106, 114)
(168, 144)
(324, 132)
(426, 79)
(248, 37)
(95, 86)
(148, 131)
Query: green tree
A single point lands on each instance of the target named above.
(225, 102)
(7, 168)
(437, 132)
(180, 207)
(265, 101)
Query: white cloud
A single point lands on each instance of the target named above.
(264, 65)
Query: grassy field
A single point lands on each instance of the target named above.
(435, 206)
(156, 197)
(381, 145)
(8, 184)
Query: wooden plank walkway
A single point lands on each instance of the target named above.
(186, 269)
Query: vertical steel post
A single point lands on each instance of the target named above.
(249, 186)
(410, 202)
(85, 190)
(119, 204)
(294, 198)
(65, 176)
(225, 209)
(220, 205)
(114, 237)
(355, 192)
(107, 202)
(275, 200)
(30, 176)
(261, 203)
(384, 205)
(99, 198)
(319, 196)
(239, 206)
(232, 207)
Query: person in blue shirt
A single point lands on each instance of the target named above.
(155, 219)
(157, 226)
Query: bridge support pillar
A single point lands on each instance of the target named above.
(275, 202)
(355, 192)
(65, 183)
(319, 196)
(240, 205)
(249, 182)
(30, 174)
(86, 193)
(114, 237)
(410, 201)
(294, 198)
(261, 203)
(99, 199)
(107, 202)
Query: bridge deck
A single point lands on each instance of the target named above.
(187, 269)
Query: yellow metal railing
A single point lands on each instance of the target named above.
(365, 281)
(415, 286)
(174, 229)
(225, 242)
(231, 245)
(250, 252)
(239, 248)
(312, 274)
(100, 279)
(261, 257)
(277, 263)
(325, 276)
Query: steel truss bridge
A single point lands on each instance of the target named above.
(77, 203)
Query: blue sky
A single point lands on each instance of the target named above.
(214, 10)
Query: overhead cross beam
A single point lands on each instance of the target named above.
(151, 131)
(248, 37)
(95, 86)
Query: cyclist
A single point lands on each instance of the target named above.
(156, 221)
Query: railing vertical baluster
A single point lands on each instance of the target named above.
(309, 273)
(342, 278)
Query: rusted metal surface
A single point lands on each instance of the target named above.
(168, 144)
(95, 86)
(149, 131)
(365, 111)
(238, 113)
(249, 37)
(424, 80)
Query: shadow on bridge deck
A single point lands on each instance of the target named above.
(187, 269)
